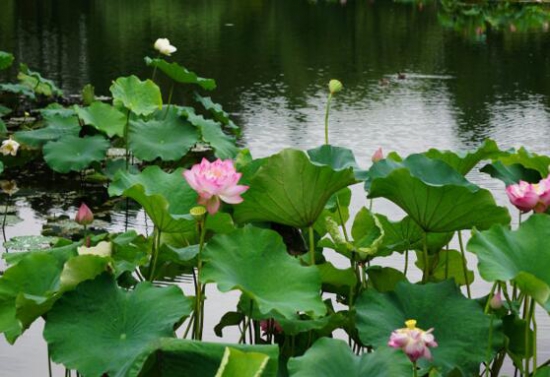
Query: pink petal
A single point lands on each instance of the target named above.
(232, 194)
(213, 205)
(190, 178)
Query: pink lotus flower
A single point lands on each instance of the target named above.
(413, 341)
(270, 326)
(84, 216)
(526, 196)
(215, 181)
(378, 155)
(496, 301)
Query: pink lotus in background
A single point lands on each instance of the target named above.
(413, 341)
(378, 155)
(215, 181)
(84, 216)
(526, 196)
(496, 301)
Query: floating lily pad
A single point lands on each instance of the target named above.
(180, 74)
(288, 188)
(19, 89)
(87, 325)
(57, 126)
(73, 153)
(522, 256)
(103, 117)
(333, 357)
(166, 197)
(460, 327)
(141, 97)
(255, 262)
(434, 195)
(166, 137)
(27, 243)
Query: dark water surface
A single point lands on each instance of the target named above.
(272, 60)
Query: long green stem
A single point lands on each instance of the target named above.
(311, 246)
(406, 268)
(464, 264)
(415, 370)
(126, 135)
(526, 317)
(49, 364)
(169, 100)
(155, 70)
(534, 321)
(327, 111)
(199, 320)
(156, 246)
(426, 272)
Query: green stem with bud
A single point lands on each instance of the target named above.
(326, 117)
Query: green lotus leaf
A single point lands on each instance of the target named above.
(35, 82)
(212, 133)
(103, 117)
(187, 358)
(367, 233)
(180, 74)
(166, 197)
(460, 327)
(60, 253)
(86, 326)
(464, 162)
(88, 94)
(237, 363)
(511, 174)
(217, 111)
(26, 292)
(336, 280)
(337, 158)
(18, 89)
(82, 268)
(448, 264)
(27, 243)
(384, 279)
(4, 110)
(522, 255)
(72, 153)
(56, 110)
(288, 188)
(434, 195)
(6, 60)
(530, 160)
(165, 136)
(255, 261)
(333, 357)
(57, 126)
(141, 97)
(542, 372)
(323, 326)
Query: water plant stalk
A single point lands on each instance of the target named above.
(126, 135)
(327, 111)
(415, 369)
(311, 246)
(534, 321)
(199, 311)
(426, 272)
(156, 246)
(464, 264)
(169, 100)
(49, 364)
(526, 317)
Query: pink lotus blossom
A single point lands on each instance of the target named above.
(215, 181)
(378, 155)
(270, 326)
(84, 216)
(526, 196)
(413, 341)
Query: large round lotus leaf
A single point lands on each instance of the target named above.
(236, 363)
(460, 327)
(522, 255)
(38, 84)
(180, 74)
(187, 358)
(288, 188)
(72, 153)
(100, 329)
(6, 60)
(141, 97)
(464, 162)
(212, 133)
(57, 126)
(217, 112)
(166, 137)
(337, 158)
(332, 357)
(255, 261)
(434, 195)
(528, 159)
(26, 292)
(511, 174)
(103, 117)
(166, 197)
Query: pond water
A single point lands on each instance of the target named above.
(272, 60)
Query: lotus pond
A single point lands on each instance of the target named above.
(161, 223)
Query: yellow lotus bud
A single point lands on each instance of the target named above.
(334, 86)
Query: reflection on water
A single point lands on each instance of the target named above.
(272, 60)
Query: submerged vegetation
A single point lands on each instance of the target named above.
(267, 228)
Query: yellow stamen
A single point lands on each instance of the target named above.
(411, 324)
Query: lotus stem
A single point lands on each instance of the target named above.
(169, 100)
(464, 264)
(415, 371)
(49, 364)
(155, 70)
(156, 246)
(327, 111)
(4, 221)
(311, 246)
(426, 272)
(246, 325)
(199, 321)
(126, 135)
(533, 319)
(406, 268)
(526, 317)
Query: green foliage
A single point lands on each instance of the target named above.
(140, 97)
(57, 126)
(255, 262)
(72, 153)
(460, 327)
(35, 82)
(237, 363)
(6, 60)
(180, 74)
(103, 117)
(80, 337)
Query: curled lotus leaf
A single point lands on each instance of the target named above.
(140, 97)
